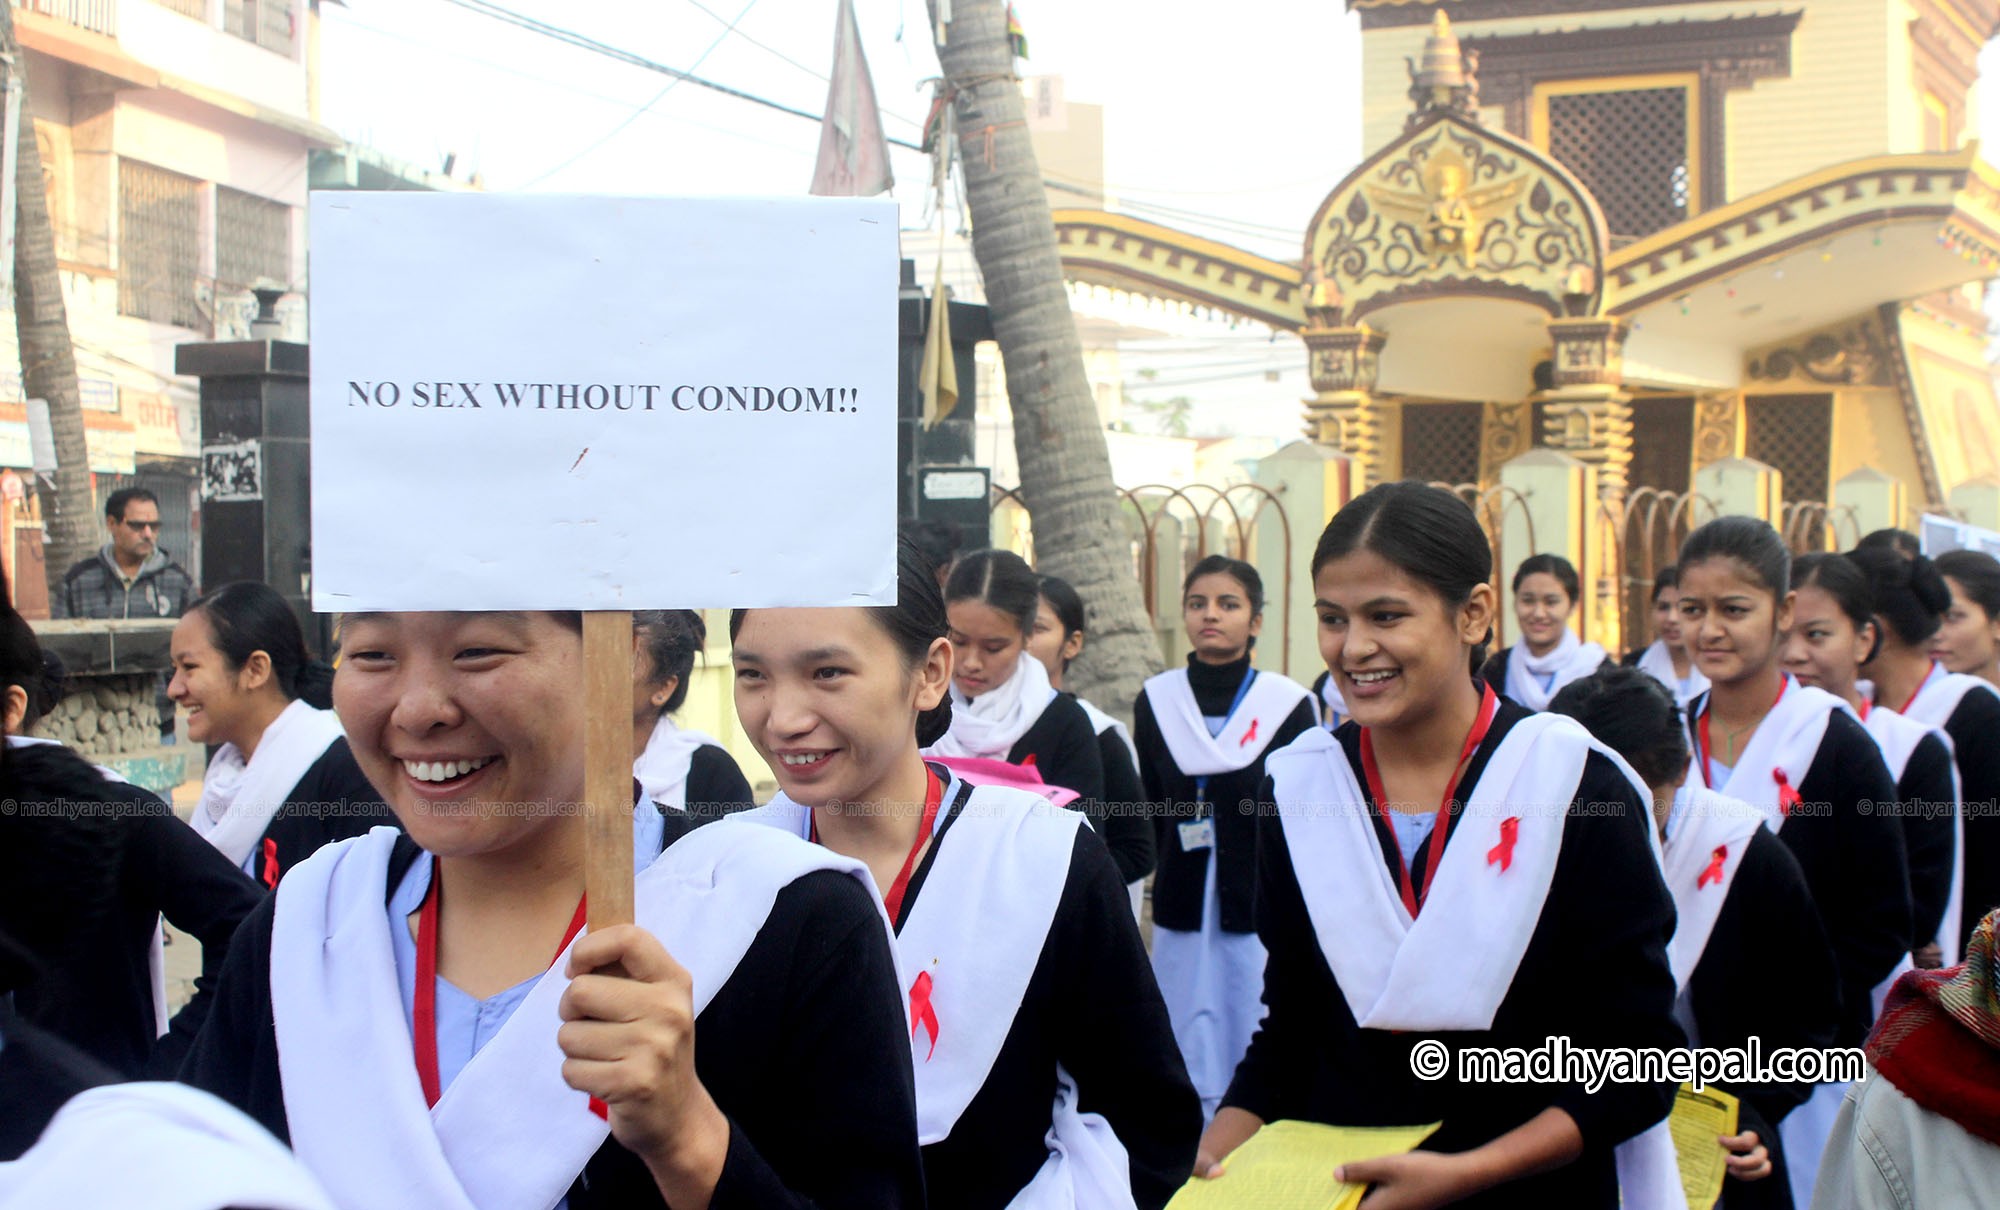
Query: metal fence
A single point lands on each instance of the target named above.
(98, 16)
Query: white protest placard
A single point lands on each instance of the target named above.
(602, 403)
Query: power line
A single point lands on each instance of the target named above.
(640, 112)
(581, 42)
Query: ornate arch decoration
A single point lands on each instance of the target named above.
(1454, 210)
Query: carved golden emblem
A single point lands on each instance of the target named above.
(1449, 212)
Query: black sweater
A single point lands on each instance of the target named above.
(1767, 972)
(1124, 818)
(804, 1049)
(87, 868)
(1974, 728)
(1925, 794)
(1092, 1006)
(1064, 747)
(1595, 970)
(1853, 858)
(1232, 800)
(332, 801)
(715, 785)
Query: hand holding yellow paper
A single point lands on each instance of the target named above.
(1698, 1120)
(1289, 1166)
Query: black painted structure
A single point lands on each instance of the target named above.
(951, 442)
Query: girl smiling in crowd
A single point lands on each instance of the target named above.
(1667, 660)
(1046, 1073)
(395, 1013)
(1437, 872)
(1968, 640)
(1202, 732)
(1548, 655)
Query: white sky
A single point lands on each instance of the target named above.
(1232, 120)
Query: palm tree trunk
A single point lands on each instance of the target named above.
(1080, 534)
(41, 326)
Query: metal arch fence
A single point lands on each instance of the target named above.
(1227, 523)
(1491, 504)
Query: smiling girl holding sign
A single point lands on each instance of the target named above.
(419, 1018)
(1046, 1072)
(1447, 870)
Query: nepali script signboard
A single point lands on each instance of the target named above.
(602, 403)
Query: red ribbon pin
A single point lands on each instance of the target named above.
(922, 1015)
(1714, 871)
(1510, 831)
(1787, 797)
(1249, 734)
(270, 863)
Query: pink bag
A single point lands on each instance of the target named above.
(981, 771)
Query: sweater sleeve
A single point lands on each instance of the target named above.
(235, 1053)
(1930, 806)
(1626, 1000)
(1118, 1042)
(1273, 1079)
(1123, 820)
(1868, 914)
(715, 784)
(1072, 759)
(200, 893)
(843, 1131)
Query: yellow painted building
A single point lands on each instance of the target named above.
(1653, 237)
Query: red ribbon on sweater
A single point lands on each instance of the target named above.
(1510, 831)
(1714, 871)
(922, 1015)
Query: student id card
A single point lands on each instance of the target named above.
(1197, 834)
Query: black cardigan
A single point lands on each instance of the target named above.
(1594, 970)
(1064, 747)
(1767, 972)
(87, 868)
(1974, 728)
(38, 1073)
(1925, 793)
(1232, 800)
(1092, 1005)
(1853, 858)
(1124, 818)
(331, 801)
(804, 1048)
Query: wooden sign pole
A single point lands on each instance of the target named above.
(607, 770)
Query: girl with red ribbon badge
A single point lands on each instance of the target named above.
(1203, 732)
(1442, 870)
(1023, 970)
(419, 1017)
(1835, 639)
(1739, 897)
(1805, 760)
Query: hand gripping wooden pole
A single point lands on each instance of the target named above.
(607, 768)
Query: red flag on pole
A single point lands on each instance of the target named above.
(853, 152)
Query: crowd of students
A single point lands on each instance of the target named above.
(917, 974)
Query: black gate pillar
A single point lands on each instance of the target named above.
(256, 470)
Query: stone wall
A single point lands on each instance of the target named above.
(106, 716)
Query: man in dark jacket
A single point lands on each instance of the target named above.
(130, 577)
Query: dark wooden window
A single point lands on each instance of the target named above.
(1441, 441)
(1795, 434)
(1630, 149)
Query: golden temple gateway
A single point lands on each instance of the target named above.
(1653, 239)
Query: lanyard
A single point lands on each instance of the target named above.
(1702, 747)
(1201, 783)
(933, 799)
(1414, 896)
(1919, 690)
(424, 1025)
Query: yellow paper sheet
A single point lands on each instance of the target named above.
(1289, 1166)
(1699, 1118)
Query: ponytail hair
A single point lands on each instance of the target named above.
(671, 638)
(1911, 597)
(247, 617)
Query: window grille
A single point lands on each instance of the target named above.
(198, 9)
(1793, 433)
(1662, 443)
(253, 239)
(268, 23)
(1441, 441)
(159, 244)
(1630, 148)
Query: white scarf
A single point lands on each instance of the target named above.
(1570, 660)
(988, 726)
(1244, 737)
(1710, 824)
(1448, 969)
(977, 930)
(1100, 722)
(1936, 701)
(1659, 663)
(662, 769)
(239, 798)
(1898, 736)
(162, 1146)
(1787, 740)
(509, 1133)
